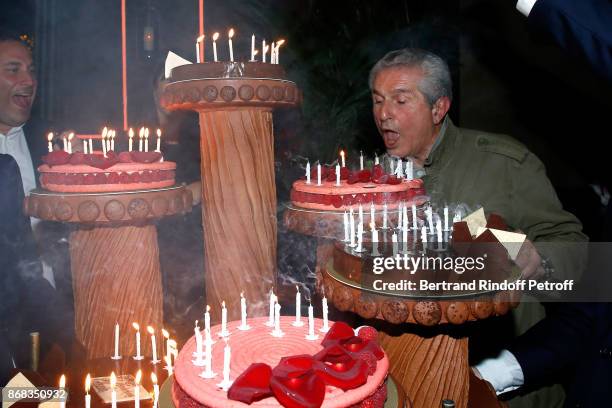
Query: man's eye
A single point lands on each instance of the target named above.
(400, 101)
(377, 101)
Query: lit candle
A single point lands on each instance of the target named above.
(65, 144)
(272, 51)
(243, 313)
(318, 174)
(385, 216)
(311, 333)
(230, 34)
(137, 328)
(264, 50)
(278, 44)
(90, 145)
(325, 327)
(429, 214)
(253, 47)
(215, 37)
(308, 172)
(372, 216)
(359, 237)
(169, 365)
(87, 387)
(277, 330)
(113, 383)
(409, 170)
(155, 390)
(85, 146)
(167, 337)
(62, 386)
(424, 235)
(337, 175)
(360, 160)
(154, 359)
(298, 308)
(116, 356)
(445, 218)
(146, 141)
(399, 171)
(208, 372)
(112, 146)
(374, 233)
(131, 136)
(198, 46)
(346, 227)
(439, 230)
(352, 228)
(158, 150)
(207, 325)
(50, 140)
(227, 356)
(376, 161)
(137, 389)
(70, 136)
(224, 332)
(140, 138)
(400, 216)
(360, 214)
(342, 158)
(414, 218)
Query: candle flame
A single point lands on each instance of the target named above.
(141, 132)
(297, 288)
(70, 135)
(279, 43)
(207, 308)
(138, 377)
(50, 136)
(87, 383)
(104, 132)
(153, 378)
(150, 330)
(158, 132)
(135, 326)
(231, 33)
(113, 134)
(242, 294)
(131, 133)
(172, 343)
(255, 52)
(223, 304)
(165, 333)
(265, 49)
(200, 39)
(62, 381)
(215, 37)
(196, 324)
(146, 133)
(113, 380)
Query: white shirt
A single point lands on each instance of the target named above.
(14, 143)
(525, 6)
(503, 372)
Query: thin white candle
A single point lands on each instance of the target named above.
(112, 140)
(155, 390)
(87, 387)
(198, 353)
(230, 34)
(146, 142)
(50, 140)
(346, 227)
(385, 215)
(214, 39)
(325, 327)
(113, 383)
(130, 136)
(372, 216)
(343, 158)
(199, 58)
(439, 230)
(270, 321)
(104, 134)
(374, 233)
(208, 372)
(308, 172)
(65, 144)
(223, 332)
(264, 50)
(140, 138)
(360, 214)
(166, 336)
(253, 47)
(318, 174)
(243, 313)
(272, 52)
(169, 365)
(90, 146)
(359, 237)
(360, 160)
(277, 332)
(298, 308)
(376, 160)
(337, 175)
(277, 54)
(227, 357)
(414, 218)
(445, 218)
(158, 150)
(137, 389)
(352, 228)
(62, 386)
(154, 359)
(311, 333)
(138, 356)
(70, 136)
(424, 235)
(116, 356)
(429, 214)
(409, 170)
(85, 146)
(394, 242)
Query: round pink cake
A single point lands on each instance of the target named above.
(68, 178)
(329, 196)
(257, 345)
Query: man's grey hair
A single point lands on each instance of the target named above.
(436, 82)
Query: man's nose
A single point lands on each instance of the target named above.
(385, 111)
(27, 78)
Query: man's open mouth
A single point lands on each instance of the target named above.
(23, 100)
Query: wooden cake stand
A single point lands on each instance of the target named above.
(238, 186)
(427, 355)
(114, 259)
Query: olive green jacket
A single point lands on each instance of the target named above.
(501, 175)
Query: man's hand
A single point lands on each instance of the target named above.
(530, 262)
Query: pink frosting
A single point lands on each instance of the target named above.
(257, 345)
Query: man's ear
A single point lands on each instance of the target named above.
(440, 109)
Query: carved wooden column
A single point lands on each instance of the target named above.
(237, 163)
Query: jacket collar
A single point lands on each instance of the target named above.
(444, 143)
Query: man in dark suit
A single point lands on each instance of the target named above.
(583, 28)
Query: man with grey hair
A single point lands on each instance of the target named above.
(412, 93)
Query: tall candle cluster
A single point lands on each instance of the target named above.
(273, 48)
(107, 141)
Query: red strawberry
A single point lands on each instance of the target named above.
(377, 171)
(125, 157)
(344, 173)
(393, 180)
(353, 177)
(337, 201)
(347, 200)
(364, 176)
(370, 361)
(331, 175)
(367, 333)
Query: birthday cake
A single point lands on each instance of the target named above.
(227, 69)
(364, 187)
(339, 369)
(93, 173)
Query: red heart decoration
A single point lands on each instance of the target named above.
(377, 171)
(56, 158)
(100, 162)
(125, 157)
(252, 385)
(146, 157)
(295, 384)
(338, 331)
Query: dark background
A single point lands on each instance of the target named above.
(506, 78)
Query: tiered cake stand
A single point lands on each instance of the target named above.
(238, 187)
(114, 259)
(428, 355)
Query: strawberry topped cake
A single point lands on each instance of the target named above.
(341, 369)
(94, 173)
(365, 187)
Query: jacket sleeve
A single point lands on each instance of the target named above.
(581, 27)
(537, 211)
